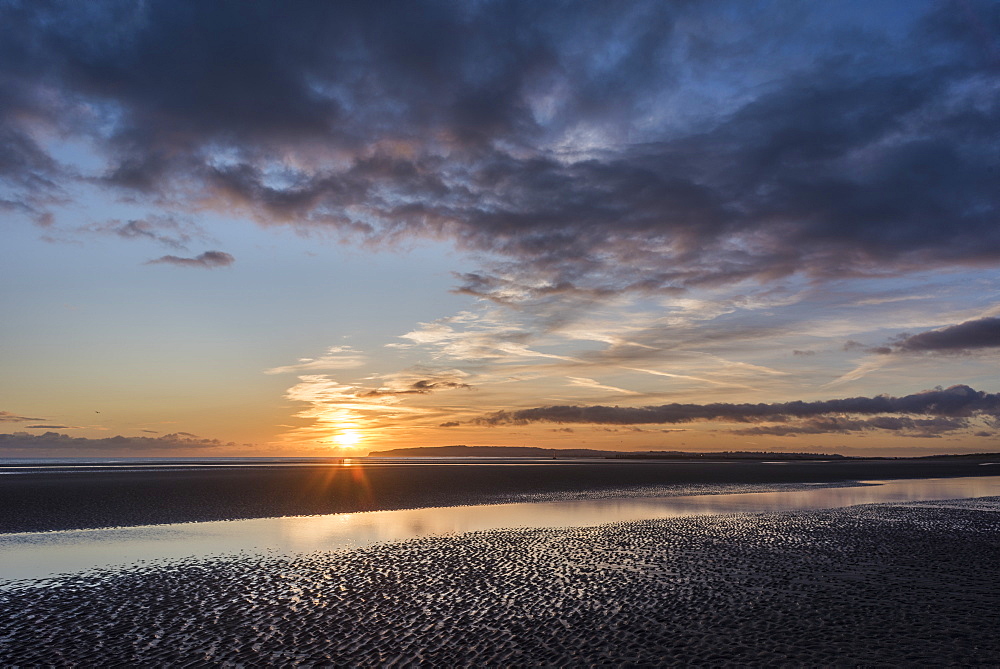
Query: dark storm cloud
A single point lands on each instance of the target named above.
(24, 443)
(955, 402)
(208, 259)
(967, 336)
(594, 147)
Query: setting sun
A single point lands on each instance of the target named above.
(347, 438)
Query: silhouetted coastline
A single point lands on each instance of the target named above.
(464, 451)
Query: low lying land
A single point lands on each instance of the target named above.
(463, 451)
(873, 585)
(55, 501)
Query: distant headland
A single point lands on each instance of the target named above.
(463, 451)
(460, 451)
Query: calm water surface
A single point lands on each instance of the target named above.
(30, 555)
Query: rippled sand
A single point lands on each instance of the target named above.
(880, 584)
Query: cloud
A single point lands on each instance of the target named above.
(332, 407)
(208, 259)
(164, 230)
(970, 335)
(689, 145)
(22, 443)
(957, 402)
(8, 417)
(489, 336)
(914, 427)
(337, 357)
(583, 382)
(49, 427)
(415, 381)
(964, 338)
(445, 381)
(383, 402)
(469, 337)
(450, 423)
(862, 370)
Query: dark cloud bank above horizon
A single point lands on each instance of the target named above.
(585, 147)
(939, 411)
(26, 444)
(928, 414)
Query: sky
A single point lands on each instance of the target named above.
(316, 228)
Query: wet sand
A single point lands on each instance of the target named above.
(56, 501)
(904, 585)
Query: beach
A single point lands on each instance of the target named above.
(878, 584)
(909, 583)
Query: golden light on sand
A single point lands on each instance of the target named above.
(347, 438)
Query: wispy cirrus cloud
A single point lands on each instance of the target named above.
(860, 371)
(336, 357)
(489, 336)
(164, 230)
(332, 407)
(583, 382)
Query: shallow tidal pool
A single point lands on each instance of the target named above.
(38, 555)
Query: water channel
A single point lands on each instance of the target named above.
(37, 555)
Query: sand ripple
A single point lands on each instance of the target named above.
(881, 584)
